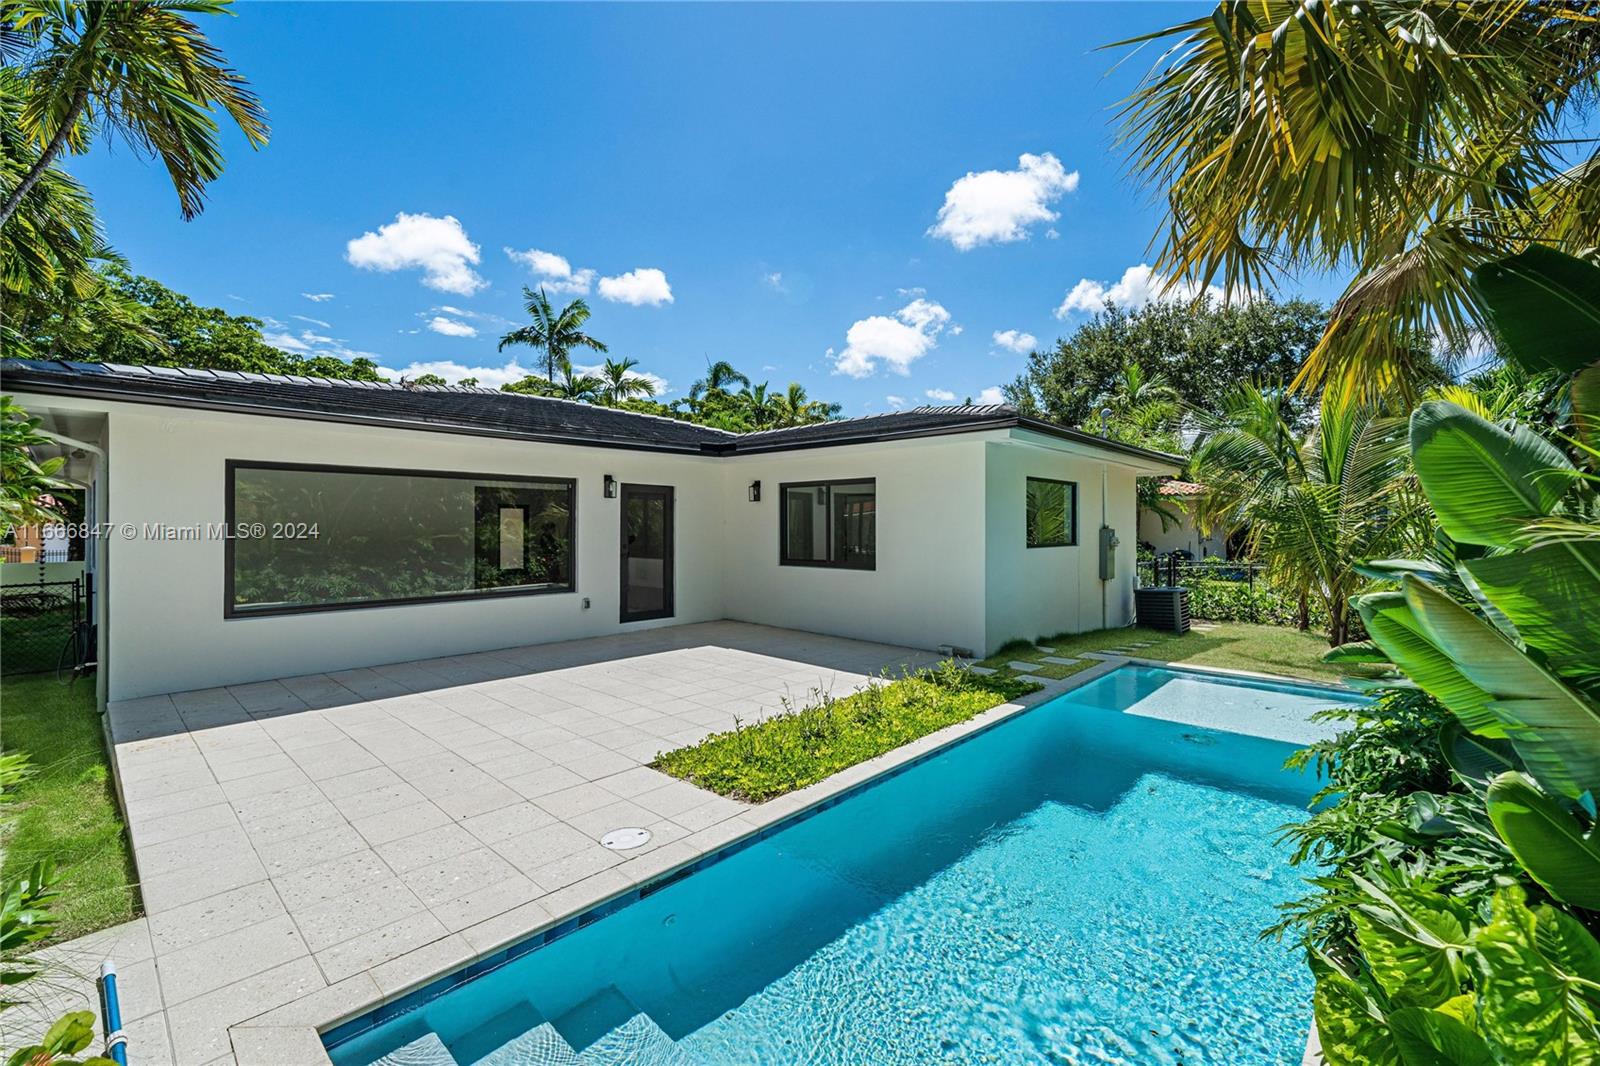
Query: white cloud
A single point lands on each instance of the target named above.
(646, 285)
(991, 395)
(913, 291)
(314, 321)
(896, 341)
(450, 327)
(554, 272)
(491, 377)
(999, 206)
(774, 281)
(318, 297)
(286, 341)
(1138, 286)
(942, 395)
(1015, 341)
(437, 246)
(956, 330)
(896, 401)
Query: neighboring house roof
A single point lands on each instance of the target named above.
(490, 412)
(1174, 487)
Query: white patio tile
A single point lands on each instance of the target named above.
(226, 912)
(199, 1027)
(400, 822)
(366, 951)
(221, 960)
(507, 822)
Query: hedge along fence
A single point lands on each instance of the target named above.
(1215, 600)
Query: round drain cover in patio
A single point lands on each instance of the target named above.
(623, 839)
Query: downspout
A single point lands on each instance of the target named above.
(101, 553)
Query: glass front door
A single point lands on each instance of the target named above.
(646, 552)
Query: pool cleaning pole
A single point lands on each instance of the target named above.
(116, 1040)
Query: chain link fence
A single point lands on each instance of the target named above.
(37, 625)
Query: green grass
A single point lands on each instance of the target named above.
(1231, 645)
(66, 810)
(801, 747)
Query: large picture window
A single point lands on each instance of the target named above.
(311, 538)
(1052, 513)
(830, 523)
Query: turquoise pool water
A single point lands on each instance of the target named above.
(1083, 884)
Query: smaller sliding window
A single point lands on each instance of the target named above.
(829, 523)
(1052, 513)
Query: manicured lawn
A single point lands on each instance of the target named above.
(793, 750)
(1232, 645)
(65, 811)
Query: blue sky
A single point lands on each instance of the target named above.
(794, 177)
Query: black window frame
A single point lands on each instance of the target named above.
(1071, 523)
(829, 563)
(232, 466)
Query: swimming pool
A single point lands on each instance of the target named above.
(1084, 883)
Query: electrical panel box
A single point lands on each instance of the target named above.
(1108, 553)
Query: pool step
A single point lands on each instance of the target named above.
(426, 1050)
(639, 1041)
(539, 1046)
(612, 1031)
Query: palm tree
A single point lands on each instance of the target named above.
(618, 383)
(1404, 142)
(720, 377)
(1317, 506)
(140, 70)
(794, 408)
(762, 407)
(558, 333)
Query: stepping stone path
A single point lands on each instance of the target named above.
(1060, 661)
(1022, 667)
(1047, 651)
(982, 671)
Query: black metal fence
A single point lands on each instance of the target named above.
(1173, 570)
(39, 625)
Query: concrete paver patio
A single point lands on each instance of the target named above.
(310, 846)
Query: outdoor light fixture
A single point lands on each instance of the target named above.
(611, 487)
(755, 492)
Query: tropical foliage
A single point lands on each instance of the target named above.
(25, 482)
(1316, 505)
(140, 72)
(1408, 141)
(1495, 621)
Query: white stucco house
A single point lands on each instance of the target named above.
(1178, 498)
(252, 526)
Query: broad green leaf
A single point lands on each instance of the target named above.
(1475, 759)
(1586, 405)
(1571, 948)
(1411, 940)
(1527, 1011)
(1395, 628)
(1350, 1027)
(1395, 569)
(1356, 652)
(1555, 729)
(1433, 1038)
(1485, 482)
(1549, 593)
(1545, 306)
(1546, 839)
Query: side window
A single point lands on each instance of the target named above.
(1052, 513)
(829, 523)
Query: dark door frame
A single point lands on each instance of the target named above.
(668, 575)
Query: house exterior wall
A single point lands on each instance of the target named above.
(1037, 592)
(1182, 536)
(952, 564)
(927, 589)
(165, 597)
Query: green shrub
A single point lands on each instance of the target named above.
(802, 746)
(1237, 601)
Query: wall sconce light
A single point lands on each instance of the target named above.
(755, 492)
(611, 487)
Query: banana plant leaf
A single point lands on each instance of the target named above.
(1395, 628)
(1545, 306)
(1476, 760)
(1550, 595)
(1586, 405)
(1358, 652)
(1555, 729)
(1485, 482)
(1395, 569)
(1546, 839)
(1563, 940)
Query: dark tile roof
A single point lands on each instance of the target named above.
(489, 412)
